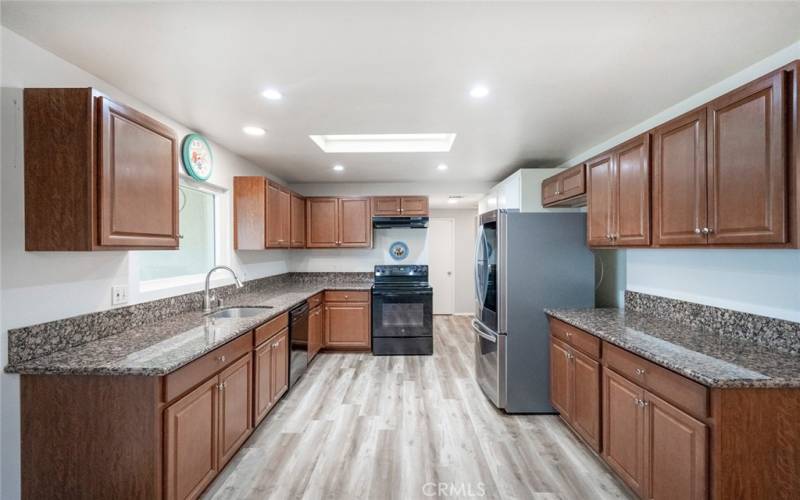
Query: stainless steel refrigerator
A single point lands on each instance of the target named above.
(525, 263)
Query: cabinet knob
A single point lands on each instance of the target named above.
(221, 387)
(640, 371)
(399, 209)
(608, 237)
(276, 344)
(221, 359)
(697, 230)
(707, 230)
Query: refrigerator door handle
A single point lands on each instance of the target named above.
(477, 270)
(477, 328)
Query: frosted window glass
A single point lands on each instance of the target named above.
(196, 253)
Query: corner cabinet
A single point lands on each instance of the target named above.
(115, 185)
(266, 215)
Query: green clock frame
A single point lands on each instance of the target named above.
(187, 163)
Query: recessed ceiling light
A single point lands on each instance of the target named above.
(250, 130)
(441, 166)
(479, 91)
(272, 95)
(384, 143)
(338, 168)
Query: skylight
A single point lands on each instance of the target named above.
(384, 143)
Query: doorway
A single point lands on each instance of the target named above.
(441, 263)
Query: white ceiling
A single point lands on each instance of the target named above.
(563, 76)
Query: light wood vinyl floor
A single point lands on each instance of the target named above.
(363, 427)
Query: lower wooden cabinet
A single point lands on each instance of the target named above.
(205, 428)
(347, 320)
(575, 390)
(271, 373)
(623, 430)
(316, 336)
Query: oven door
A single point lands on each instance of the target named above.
(402, 313)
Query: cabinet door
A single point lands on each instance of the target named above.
(322, 222)
(314, 331)
(286, 217)
(138, 179)
(747, 164)
(297, 211)
(262, 392)
(347, 325)
(623, 429)
(572, 182)
(677, 452)
(235, 407)
(585, 374)
(249, 210)
(679, 181)
(631, 225)
(280, 365)
(355, 225)
(277, 201)
(560, 379)
(600, 200)
(414, 205)
(191, 442)
(386, 205)
(550, 189)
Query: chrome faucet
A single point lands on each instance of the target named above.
(207, 299)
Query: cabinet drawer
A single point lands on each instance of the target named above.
(679, 390)
(346, 296)
(270, 328)
(189, 376)
(584, 342)
(314, 301)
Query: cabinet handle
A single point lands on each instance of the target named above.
(276, 344)
(221, 387)
(608, 236)
(640, 371)
(221, 359)
(569, 334)
(697, 230)
(399, 209)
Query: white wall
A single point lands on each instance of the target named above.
(44, 286)
(464, 265)
(765, 282)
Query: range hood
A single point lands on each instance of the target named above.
(387, 222)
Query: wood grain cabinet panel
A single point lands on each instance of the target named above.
(565, 189)
(573, 182)
(550, 190)
(679, 181)
(623, 430)
(601, 200)
(386, 206)
(191, 457)
(747, 165)
(560, 379)
(116, 185)
(355, 224)
(278, 222)
(249, 213)
(586, 400)
(322, 222)
(676, 450)
(347, 325)
(632, 213)
(315, 331)
(280, 365)
(235, 407)
(414, 206)
(262, 387)
(298, 221)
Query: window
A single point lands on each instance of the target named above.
(197, 253)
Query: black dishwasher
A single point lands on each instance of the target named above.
(298, 340)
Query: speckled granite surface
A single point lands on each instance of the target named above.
(776, 333)
(176, 333)
(706, 356)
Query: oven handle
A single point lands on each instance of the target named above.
(479, 330)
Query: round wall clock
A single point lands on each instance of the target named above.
(196, 156)
(398, 250)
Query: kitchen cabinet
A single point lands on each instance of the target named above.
(235, 408)
(278, 216)
(271, 358)
(387, 206)
(623, 430)
(565, 189)
(414, 205)
(316, 337)
(560, 380)
(297, 232)
(619, 195)
(347, 320)
(338, 222)
(249, 213)
(116, 185)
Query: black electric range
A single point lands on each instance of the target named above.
(402, 311)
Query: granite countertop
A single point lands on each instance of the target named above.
(164, 346)
(700, 354)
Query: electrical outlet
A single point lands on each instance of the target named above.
(119, 295)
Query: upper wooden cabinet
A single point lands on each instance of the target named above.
(411, 206)
(566, 189)
(338, 222)
(98, 174)
(278, 216)
(619, 195)
(297, 231)
(249, 213)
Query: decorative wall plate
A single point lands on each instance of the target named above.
(398, 250)
(196, 156)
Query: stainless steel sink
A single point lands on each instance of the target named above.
(239, 312)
